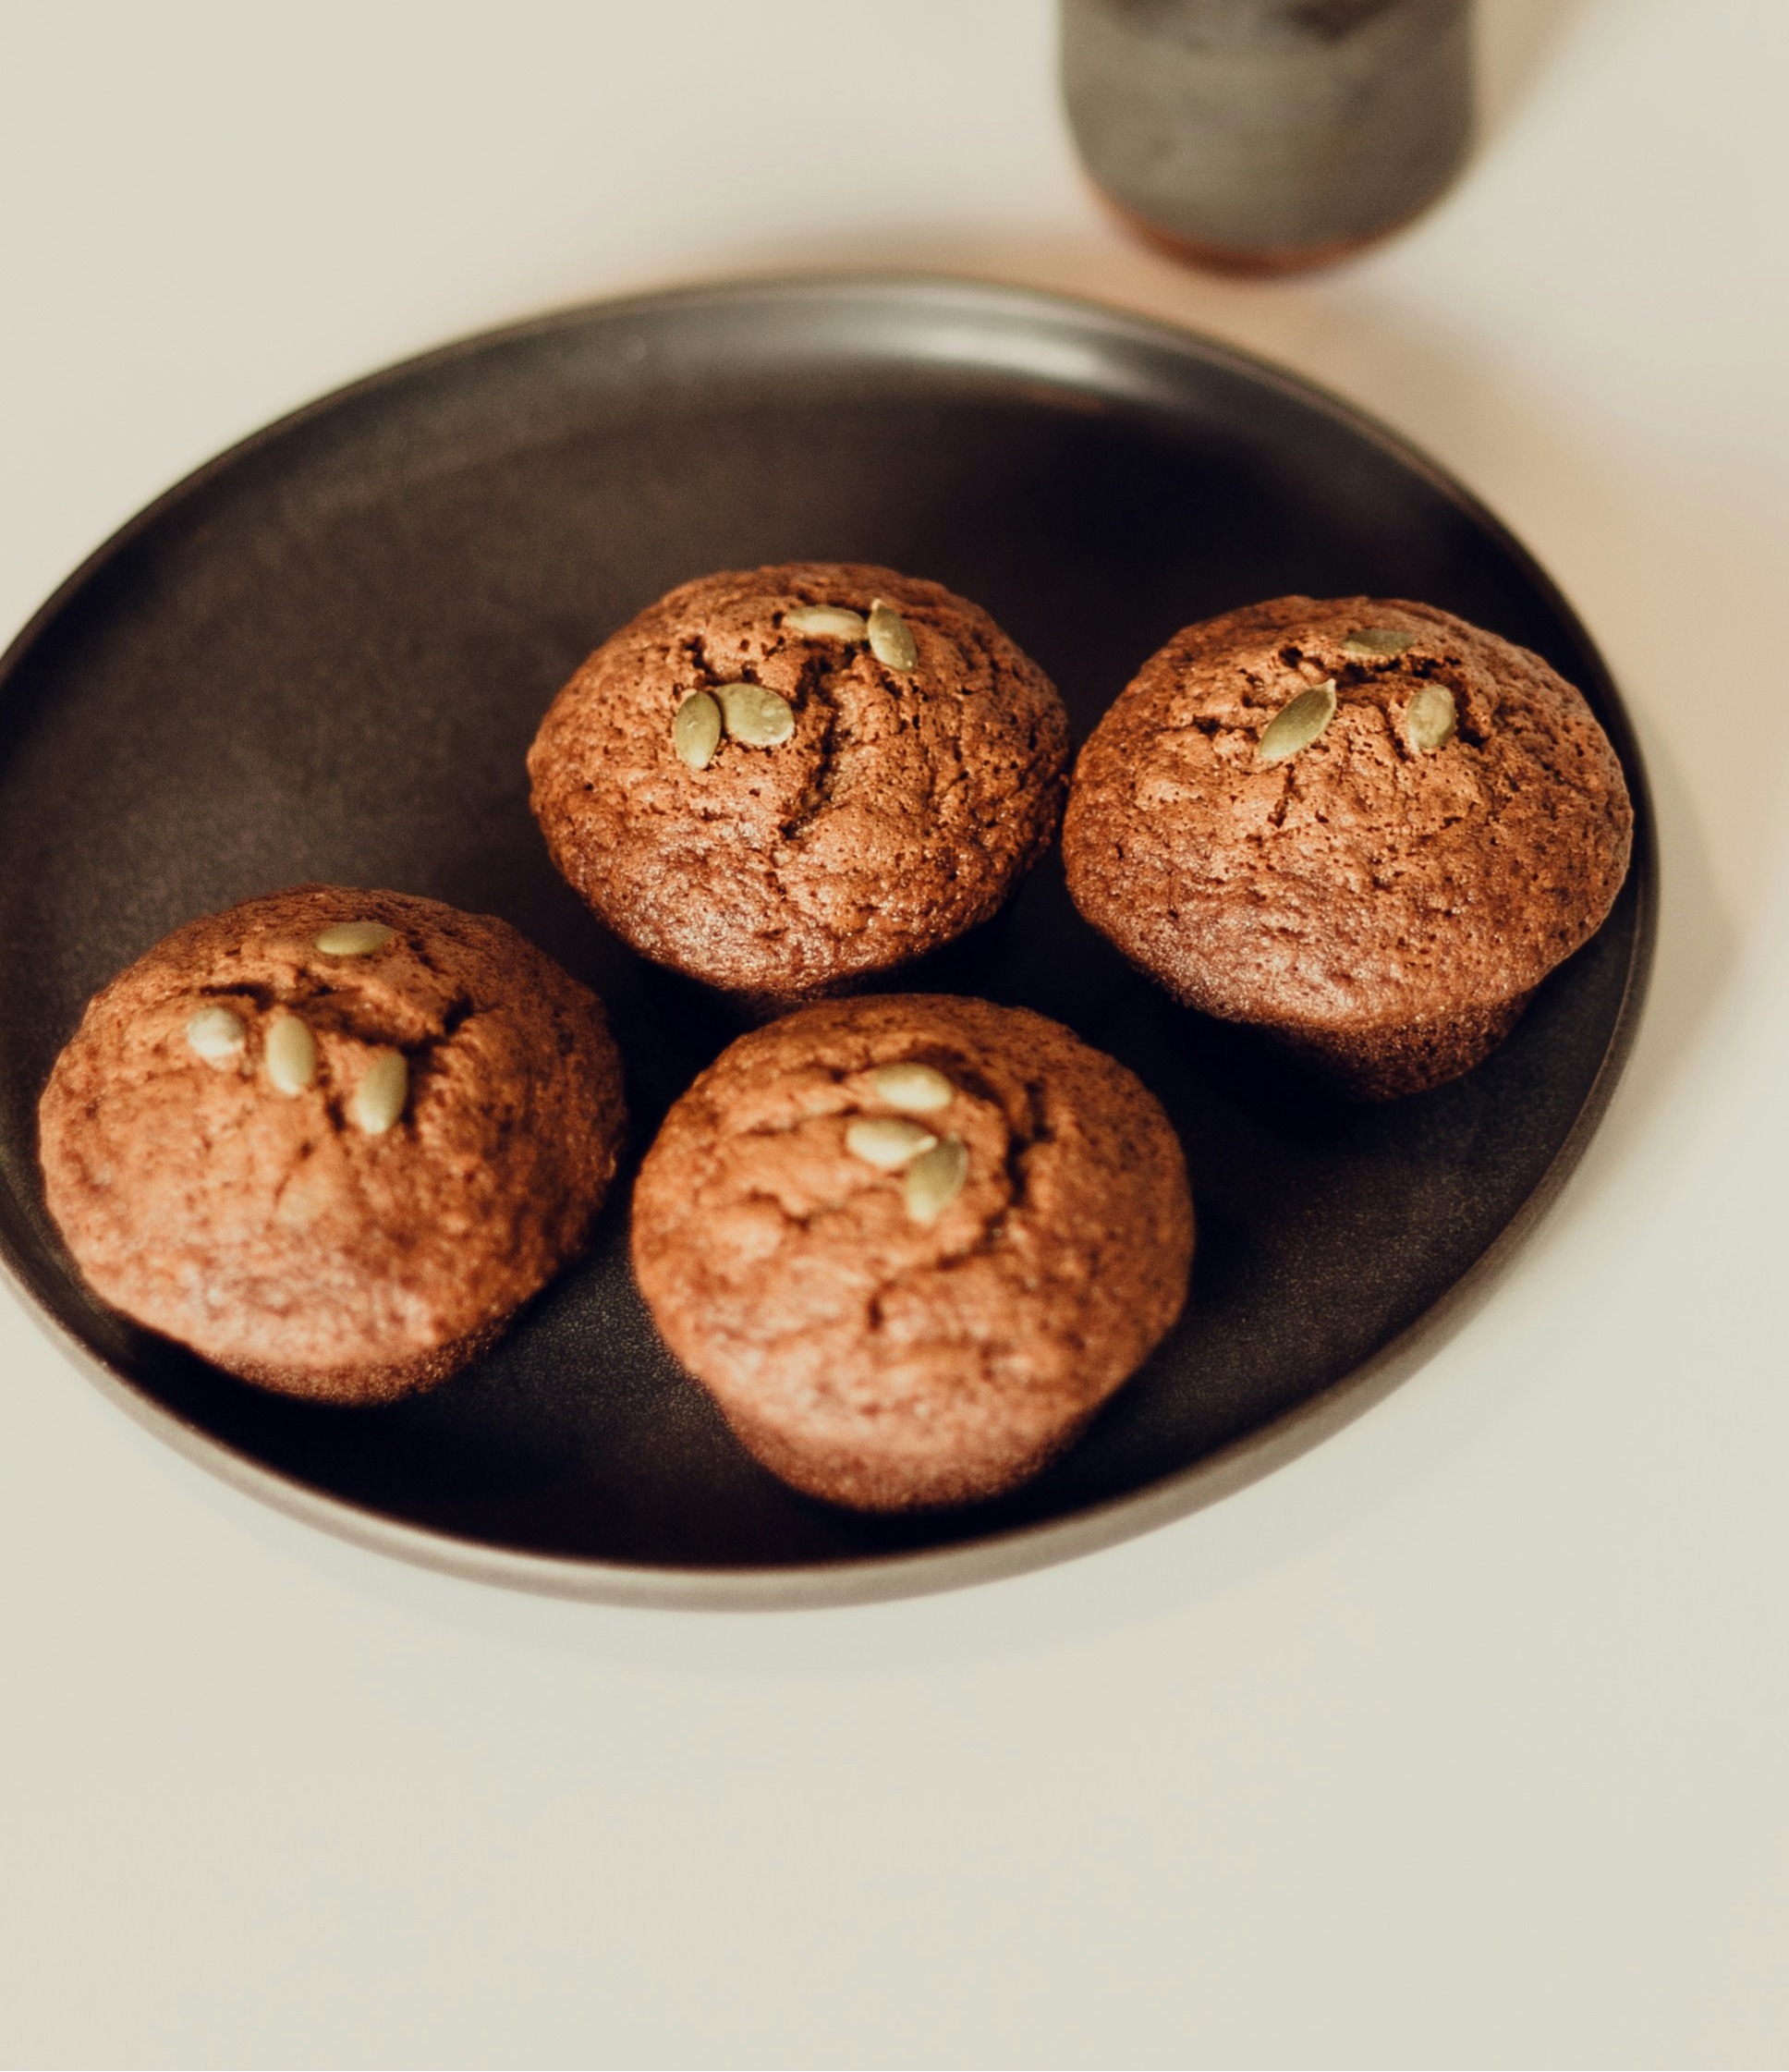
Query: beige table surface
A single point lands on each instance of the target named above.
(1463, 1740)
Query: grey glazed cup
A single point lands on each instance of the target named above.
(1266, 136)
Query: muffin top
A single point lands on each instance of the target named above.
(767, 783)
(911, 1242)
(328, 1130)
(1436, 821)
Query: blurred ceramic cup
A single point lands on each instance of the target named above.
(1264, 136)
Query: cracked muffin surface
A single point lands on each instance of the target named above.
(332, 1170)
(910, 1243)
(903, 805)
(1384, 900)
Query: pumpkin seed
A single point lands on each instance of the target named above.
(918, 1088)
(935, 1179)
(1430, 718)
(696, 731)
(1297, 724)
(291, 1054)
(891, 637)
(755, 716)
(827, 622)
(885, 1141)
(1377, 640)
(354, 938)
(379, 1099)
(217, 1035)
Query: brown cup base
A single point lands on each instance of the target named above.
(1386, 1063)
(859, 1482)
(961, 965)
(363, 1387)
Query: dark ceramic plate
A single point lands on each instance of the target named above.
(324, 656)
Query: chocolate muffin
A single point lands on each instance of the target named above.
(331, 1140)
(781, 781)
(1359, 824)
(910, 1243)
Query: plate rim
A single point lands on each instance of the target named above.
(1018, 1549)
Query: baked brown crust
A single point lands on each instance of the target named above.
(885, 1363)
(272, 1233)
(901, 813)
(1386, 912)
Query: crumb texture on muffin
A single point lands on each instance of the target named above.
(849, 789)
(332, 1170)
(1392, 887)
(886, 1321)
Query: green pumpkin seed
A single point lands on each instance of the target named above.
(885, 1141)
(1430, 718)
(1377, 640)
(891, 637)
(291, 1054)
(354, 938)
(757, 717)
(379, 1099)
(918, 1088)
(935, 1179)
(696, 731)
(1297, 724)
(217, 1035)
(827, 622)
